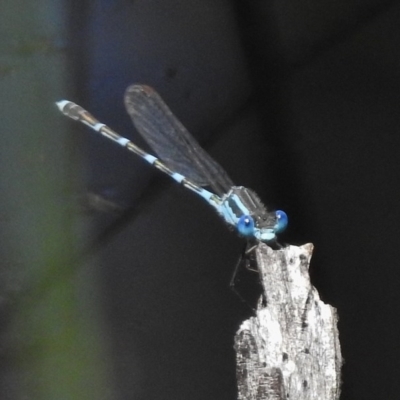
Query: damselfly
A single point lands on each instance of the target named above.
(182, 158)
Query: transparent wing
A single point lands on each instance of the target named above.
(171, 140)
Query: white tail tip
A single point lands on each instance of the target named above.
(61, 104)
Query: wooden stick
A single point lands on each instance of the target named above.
(290, 350)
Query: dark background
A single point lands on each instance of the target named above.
(298, 100)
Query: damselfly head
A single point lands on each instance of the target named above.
(248, 227)
(244, 210)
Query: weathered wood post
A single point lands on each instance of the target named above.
(290, 349)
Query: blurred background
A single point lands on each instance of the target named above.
(114, 281)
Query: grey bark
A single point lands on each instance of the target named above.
(290, 349)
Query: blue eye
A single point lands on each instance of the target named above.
(245, 225)
(281, 221)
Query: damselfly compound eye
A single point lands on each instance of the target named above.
(281, 221)
(245, 225)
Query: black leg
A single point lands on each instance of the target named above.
(247, 259)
